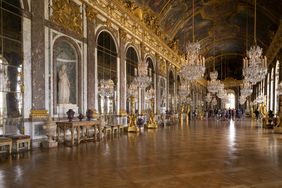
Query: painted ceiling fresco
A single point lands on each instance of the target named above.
(223, 27)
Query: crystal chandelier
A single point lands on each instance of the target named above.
(143, 79)
(255, 64)
(183, 91)
(246, 89)
(132, 90)
(106, 88)
(242, 100)
(259, 99)
(208, 98)
(194, 65)
(214, 84)
(221, 93)
(150, 94)
(214, 101)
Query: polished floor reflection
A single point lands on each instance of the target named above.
(203, 154)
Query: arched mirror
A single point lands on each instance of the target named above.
(171, 91)
(11, 64)
(131, 71)
(107, 70)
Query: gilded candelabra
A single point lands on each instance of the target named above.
(152, 124)
(132, 126)
(187, 114)
(132, 93)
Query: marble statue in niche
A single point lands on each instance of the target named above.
(66, 63)
(63, 86)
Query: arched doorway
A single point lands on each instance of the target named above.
(107, 69)
(230, 103)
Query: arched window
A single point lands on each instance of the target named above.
(267, 91)
(151, 70)
(131, 65)
(11, 77)
(272, 89)
(131, 70)
(276, 105)
(107, 69)
(162, 95)
(171, 90)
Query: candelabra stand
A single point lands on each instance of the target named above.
(180, 114)
(152, 124)
(187, 113)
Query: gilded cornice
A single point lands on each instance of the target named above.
(231, 82)
(130, 22)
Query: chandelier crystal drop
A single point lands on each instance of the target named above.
(221, 94)
(132, 90)
(213, 86)
(150, 94)
(246, 89)
(184, 90)
(106, 88)
(214, 101)
(242, 100)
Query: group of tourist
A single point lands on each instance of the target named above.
(225, 114)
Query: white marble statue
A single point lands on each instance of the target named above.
(63, 86)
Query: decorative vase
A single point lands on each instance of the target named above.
(70, 114)
(80, 116)
(89, 114)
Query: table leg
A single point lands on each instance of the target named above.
(65, 129)
(78, 134)
(72, 137)
(58, 134)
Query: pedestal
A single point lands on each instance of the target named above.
(49, 144)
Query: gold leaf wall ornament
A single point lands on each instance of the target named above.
(67, 14)
(162, 68)
(91, 13)
(123, 34)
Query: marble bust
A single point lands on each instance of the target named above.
(63, 86)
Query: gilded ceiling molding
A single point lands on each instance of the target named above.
(275, 45)
(126, 19)
(66, 13)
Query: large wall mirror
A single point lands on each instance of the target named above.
(11, 64)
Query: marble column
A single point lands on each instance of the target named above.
(91, 43)
(122, 75)
(38, 55)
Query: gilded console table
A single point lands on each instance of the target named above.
(74, 125)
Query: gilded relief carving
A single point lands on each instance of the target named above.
(91, 13)
(162, 68)
(67, 14)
